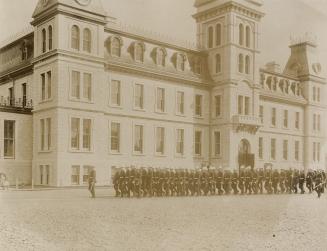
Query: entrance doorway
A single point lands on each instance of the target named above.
(245, 158)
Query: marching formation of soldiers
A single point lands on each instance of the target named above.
(148, 182)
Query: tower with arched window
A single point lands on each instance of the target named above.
(229, 34)
(69, 56)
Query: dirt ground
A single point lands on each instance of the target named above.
(70, 220)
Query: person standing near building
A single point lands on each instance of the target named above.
(92, 181)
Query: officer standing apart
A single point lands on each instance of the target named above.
(92, 181)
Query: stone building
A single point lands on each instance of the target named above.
(106, 96)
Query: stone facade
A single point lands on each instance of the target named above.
(106, 96)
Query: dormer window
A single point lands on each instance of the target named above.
(139, 52)
(180, 62)
(115, 47)
(161, 57)
(75, 37)
(87, 40)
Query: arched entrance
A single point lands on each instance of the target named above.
(245, 157)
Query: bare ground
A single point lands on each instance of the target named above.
(70, 220)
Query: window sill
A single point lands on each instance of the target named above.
(139, 109)
(80, 151)
(138, 154)
(115, 153)
(9, 158)
(115, 106)
(161, 112)
(81, 100)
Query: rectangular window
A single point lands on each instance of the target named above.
(11, 96)
(180, 141)
(297, 120)
(318, 122)
(285, 118)
(240, 105)
(261, 113)
(161, 99)
(138, 96)
(49, 87)
(217, 144)
(115, 92)
(138, 139)
(87, 134)
(76, 83)
(43, 87)
(115, 137)
(273, 149)
(48, 123)
(160, 140)
(273, 116)
(314, 151)
(87, 86)
(198, 105)
(75, 133)
(285, 149)
(9, 139)
(314, 93)
(24, 94)
(75, 175)
(218, 105)
(180, 102)
(260, 148)
(42, 124)
(297, 150)
(318, 152)
(314, 121)
(45, 137)
(318, 94)
(246, 105)
(198, 143)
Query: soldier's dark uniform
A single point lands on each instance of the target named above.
(248, 182)
(254, 181)
(289, 180)
(301, 181)
(227, 182)
(319, 184)
(122, 183)
(241, 181)
(219, 181)
(282, 178)
(295, 181)
(144, 182)
(137, 184)
(275, 181)
(115, 182)
(235, 182)
(204, 182)
(260, 180)
(268, 182)
(309, 181)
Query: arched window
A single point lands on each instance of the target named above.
(87, 40)
(210, 37)
(241, 34)
(247, 65)
(218, 63)
(180, 62)
(50, 38)
(218, 34)
(44, 42)
(116, 47)
(240, 63)
(248, 36)
(139, 56)
(161, 57)
(75, 37)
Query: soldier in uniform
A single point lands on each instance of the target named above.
(260, 180)
(219, 181)
(268, 181)
(301, 181)
(295, 180)
(144, 182)
(248, 181)
(289, 180)
(319, 184)
(254, 181)
(212, 183)
(115, 182)
(282, 178)
(235, 182)
(92, 181)
(275, 181)
(137, 183)
(309, 181)
(241, 182)
(122, 185)
(227, 182)
(197, 179)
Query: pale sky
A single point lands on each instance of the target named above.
(173, 17)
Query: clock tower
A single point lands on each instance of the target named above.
(68, 69)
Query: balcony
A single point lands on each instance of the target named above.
(247, 123)
(20, 105)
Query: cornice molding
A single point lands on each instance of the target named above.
(228, 7)
(282, 98)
